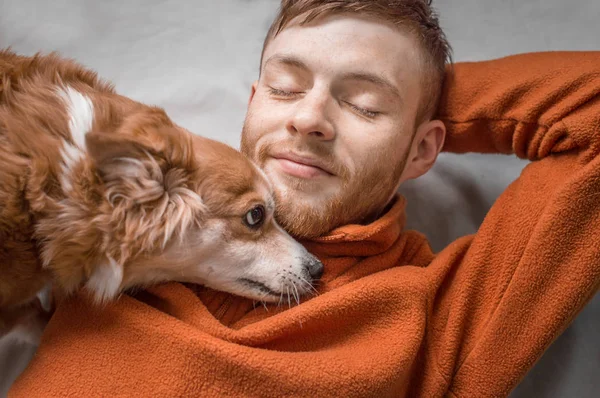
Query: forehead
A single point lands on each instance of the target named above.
(349, 43)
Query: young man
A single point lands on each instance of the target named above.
(345, 110)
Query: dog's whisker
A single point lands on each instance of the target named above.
(306, 285)
(312, 289)
(265, 305)
(295, 292)
(280, 299)
(263, 302)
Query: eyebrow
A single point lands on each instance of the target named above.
(286, 60)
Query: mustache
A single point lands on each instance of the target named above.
(324, 154)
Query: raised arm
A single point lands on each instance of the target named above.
(504, 294)
(532, 105)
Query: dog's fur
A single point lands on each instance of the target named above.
(98, 191)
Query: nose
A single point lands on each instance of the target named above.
(315, 268)
(310, 118)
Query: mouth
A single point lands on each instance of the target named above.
(302, 166)
(261, 287)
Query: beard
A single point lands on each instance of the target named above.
(309, 208)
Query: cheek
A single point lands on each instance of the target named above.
(249, 138)
(261, 121)
(373, 156)
(264, 113)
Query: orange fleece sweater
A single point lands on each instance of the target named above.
(392, 318)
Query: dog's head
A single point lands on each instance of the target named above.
(166, 205)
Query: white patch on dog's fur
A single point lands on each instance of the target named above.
(81, 118)
(278, 262)
(70, 156)
(105, 282)
(81, 114)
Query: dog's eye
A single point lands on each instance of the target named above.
(255, 217)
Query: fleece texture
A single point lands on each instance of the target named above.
(391, 318)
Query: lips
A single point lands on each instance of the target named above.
(301, 166)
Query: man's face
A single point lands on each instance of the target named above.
(331, 120)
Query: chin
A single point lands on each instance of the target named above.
(308, 214)
(304, 215)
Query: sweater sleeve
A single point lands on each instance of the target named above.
(533, 105)
(504, 294)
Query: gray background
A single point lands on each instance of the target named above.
(197, 59)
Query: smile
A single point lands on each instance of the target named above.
(301, 167)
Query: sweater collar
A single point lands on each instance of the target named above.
(354, 240)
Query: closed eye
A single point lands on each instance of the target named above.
(365, 112)
(282, 93)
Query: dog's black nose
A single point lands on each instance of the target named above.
(315, 268)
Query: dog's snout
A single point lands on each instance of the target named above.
(315, 268)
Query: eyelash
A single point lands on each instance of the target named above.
(365, 112)
(281, 93)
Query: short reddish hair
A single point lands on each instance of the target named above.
(416, 17)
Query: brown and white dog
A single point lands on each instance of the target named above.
(100, 192)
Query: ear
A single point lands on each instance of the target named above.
(252, 91)
(126, 166)
(133, 160)
(138, 135)
(148, 177)
(105, 148)
(105, 281)
(425, 148)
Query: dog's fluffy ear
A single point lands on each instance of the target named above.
(147, 136)
(147, 170)
(131, 168)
